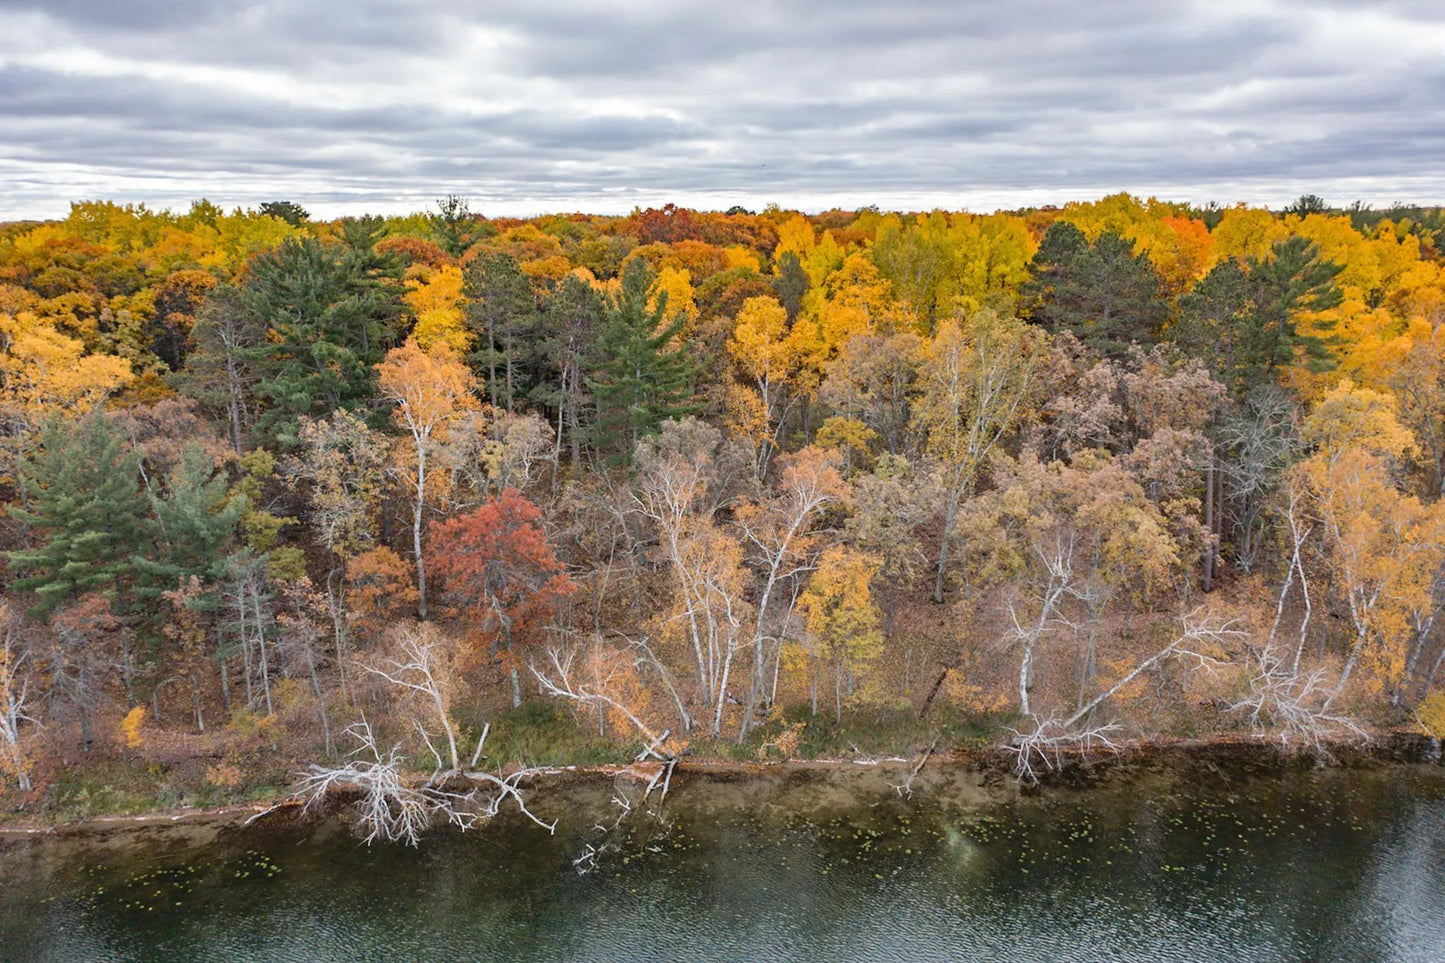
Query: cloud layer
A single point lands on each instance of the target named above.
(553, 105)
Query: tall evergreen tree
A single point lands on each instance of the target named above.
(791, 284)
(1244, 317)
(1103, 292)
(454, 227)
(1212, 318)
(1294, 282)
(642, 377)
(85, 509)
(330, 311)
(192, 524)
(567, 342)
(503, 313)
(220, 372)
(288, 211)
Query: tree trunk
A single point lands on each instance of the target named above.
(1208, 581)
(722, 693)
(225, 676)
(491, 360)
(127, 671)
(416, 531)
(261, 645)
(1026, 665)
(234, 397)
(950, 517)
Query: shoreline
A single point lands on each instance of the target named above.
(988, 771)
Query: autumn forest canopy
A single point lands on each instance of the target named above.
(749, 484)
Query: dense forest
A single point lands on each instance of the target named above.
(753, 485)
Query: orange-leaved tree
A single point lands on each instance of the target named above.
(500, 575)
(431, 388)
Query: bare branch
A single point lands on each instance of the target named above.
(1045, 743)
(905, 788)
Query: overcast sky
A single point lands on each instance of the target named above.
(546, 105)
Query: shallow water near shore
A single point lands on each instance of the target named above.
(1193, 863)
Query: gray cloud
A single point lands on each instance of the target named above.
(553, 104)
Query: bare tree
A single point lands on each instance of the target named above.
(14, 701)
(1286, 703)
(1058, 564)
(777, 530)
(251, 604)
(1258, 443)
(394, 807)
(1291, 707)
(678, 491)
(1201, 639)
(424, 672)
(642, 787)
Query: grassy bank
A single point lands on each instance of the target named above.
(158, 780)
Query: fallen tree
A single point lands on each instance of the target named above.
(394, 807)
(1200, 640)
(641, 788)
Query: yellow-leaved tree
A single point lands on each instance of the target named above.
(842, 619)
(980, 381)
(1383, 546)
(435, 297)
(43, 372)
(1247, 232)
(771, 358)
(676, 284)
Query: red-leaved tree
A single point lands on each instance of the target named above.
(500, 575)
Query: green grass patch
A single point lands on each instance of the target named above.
(544, 734)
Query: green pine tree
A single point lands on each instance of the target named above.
(1103, 292)
(192, 525)
(1294, 281)
(331, 311)
(1242, 317)
(566, 340)
(84, 509)
(455, 228)
(503, 313)
(642, 378)
(790, 284)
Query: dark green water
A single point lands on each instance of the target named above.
(1323, 865)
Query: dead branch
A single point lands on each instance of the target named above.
(1291, 708)
(422, 673)
(1046, 744)
(905, 788)
(389, 809)
(1051, 736)
(14, 704)
(395, 809)
(557, 680)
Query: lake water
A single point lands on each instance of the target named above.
(1187, 865)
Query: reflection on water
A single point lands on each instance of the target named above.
(1323, 865)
